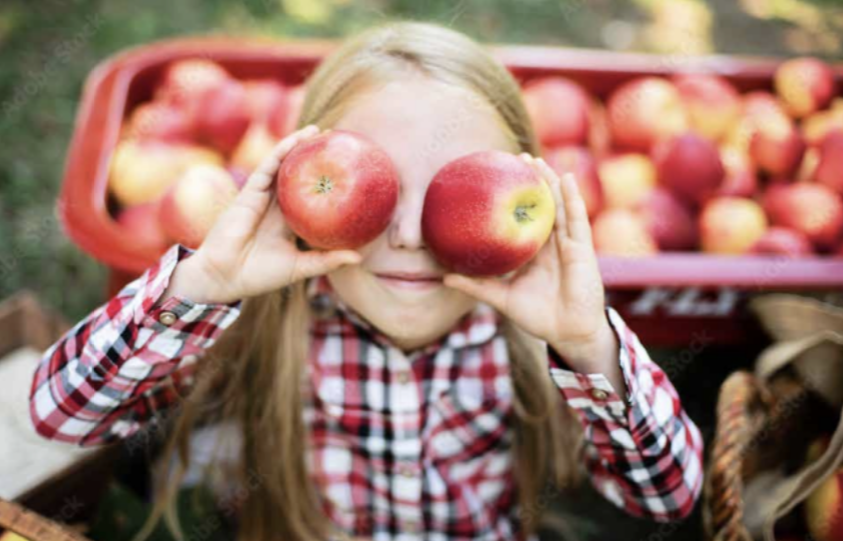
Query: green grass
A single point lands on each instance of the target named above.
(48, 47)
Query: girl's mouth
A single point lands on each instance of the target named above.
(410, 281)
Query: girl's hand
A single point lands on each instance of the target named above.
(558, 295)
(250, 250)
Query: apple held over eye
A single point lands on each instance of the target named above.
(487, 213)
(337, 190)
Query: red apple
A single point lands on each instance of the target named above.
(141, 171)
(817, 126)
(805, 85)
(776, 148)
(487, 213)
(712, 103)
(741, 180)
(731, 225)
(266, 99)
(689, 165)
(823, 506)
(578, 160)
(782, 241)
(192, 204)
(221, 116)
(622, 232)
(256, 145)
(161, 121)
(186, 80)
(627, 179)
(143, 227)
(670, 222)
(829, 170)
(808, 168)
(559, 109)
(337, 190)
(643, 111)
(759, 108)
(812, 209)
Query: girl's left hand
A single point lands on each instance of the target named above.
(558, 295)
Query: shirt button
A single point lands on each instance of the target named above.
(599, 394)
(406, 470)
(167, 318)
(410, 526)
(403, 377)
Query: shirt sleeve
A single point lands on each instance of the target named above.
(126, 361)
(643, 452)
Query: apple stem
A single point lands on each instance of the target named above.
(324, 185)
(522, 215)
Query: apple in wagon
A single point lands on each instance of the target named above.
(192, 204)
(487, 213)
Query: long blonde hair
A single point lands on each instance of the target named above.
(252, 376)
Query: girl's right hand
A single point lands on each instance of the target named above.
(250, 250)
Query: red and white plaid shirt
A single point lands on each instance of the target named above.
(402, 444)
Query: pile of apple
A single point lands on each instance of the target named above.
(687, 162)
(677, 163)
(183, 155)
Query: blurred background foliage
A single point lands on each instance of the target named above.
(48, 47)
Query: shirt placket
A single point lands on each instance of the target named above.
(406, 474)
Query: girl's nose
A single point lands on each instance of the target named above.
(405, 229)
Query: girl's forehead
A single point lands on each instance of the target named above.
(423, 124)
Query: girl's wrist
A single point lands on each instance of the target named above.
(192, 281)
(592, 353)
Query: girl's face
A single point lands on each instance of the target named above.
(422, 125)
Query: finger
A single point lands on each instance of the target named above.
(555, 184)
(314, 263)
(578, 226)
(492, 291)
(262, 177)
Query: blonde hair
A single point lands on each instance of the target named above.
(253, 374)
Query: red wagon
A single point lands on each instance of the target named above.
(672, 299)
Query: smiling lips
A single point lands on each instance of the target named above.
(417, 281)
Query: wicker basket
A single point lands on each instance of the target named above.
(33, 526)
(766, 419)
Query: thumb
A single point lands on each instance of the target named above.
(313, 263)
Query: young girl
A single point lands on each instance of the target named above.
(370, 393)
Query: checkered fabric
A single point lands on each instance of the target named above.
(403, 445)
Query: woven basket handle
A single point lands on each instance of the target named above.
(33, 526)
(738, 420)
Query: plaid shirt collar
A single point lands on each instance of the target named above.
(477, 327)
